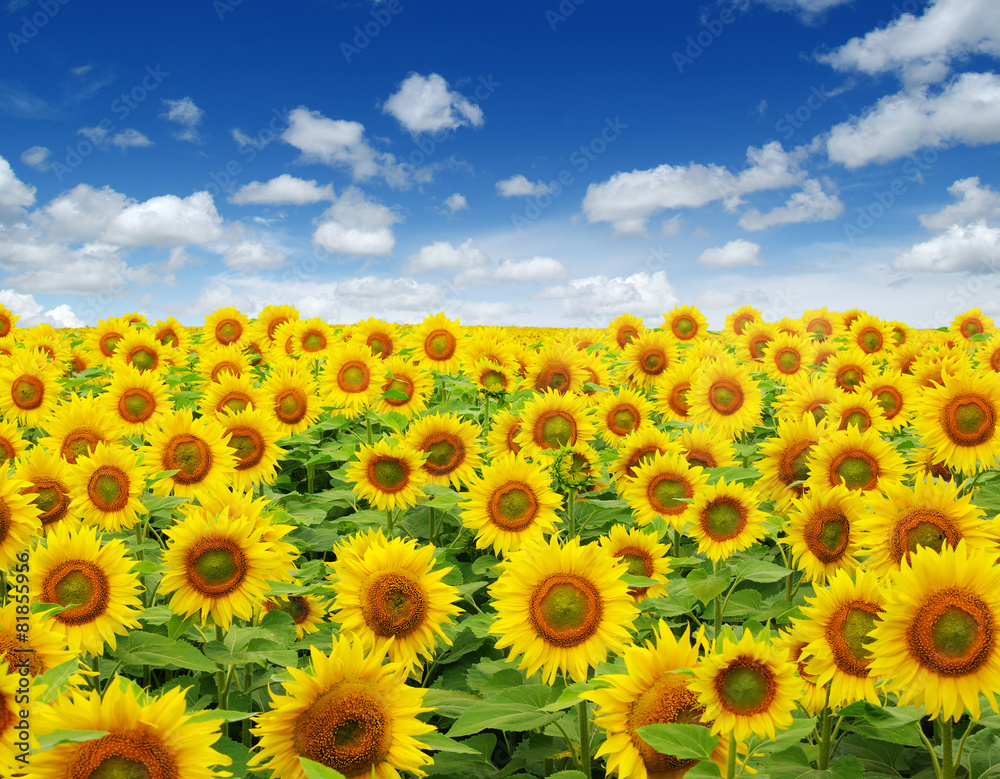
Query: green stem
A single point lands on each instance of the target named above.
(140, 556)
(824, 738)
(718, 604)
(930, 749)
(368, 427)
(569, 745)
(220, 675)
(570, 514)
(731, 762)
(585, 740)
(310, 478)
(675, 542)
(430, 532)
(947, 758)
(95, 680)
(247, 684)
(961, 745)
(389, 522)
(486, 419)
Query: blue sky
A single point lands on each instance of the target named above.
(544, 163)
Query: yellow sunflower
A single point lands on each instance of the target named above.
(859, 461)
(491, 343)
(393, 600)
(623, 329)
(936, 643)
(622, 412)
(307, 611)
(643, 554)
(197, 449)
(654, 690)
(106, 487)
(171, 333)
(136, 401)
(271, 317)
(870, 335)
(253, 437)
(924, 462)
(551, 421)
(290, 396)
(217, 564)
(636, 449)
(91, 576)
(557, 368)
(725, 518)
(380, 337)
(724, 397)
(784, 459)
(896, 395)
(141, 349)
(988, 353)
(312, 337)
(388, 476)
(899, 334)
(215, 361)
(19, 523)
(28, 388)
(15, 705)
(8, 320)
(77, 425)
(672, 400)
(493, 379)
(103, 339)
(648, 357)
(807, 395)
(45, 647)
(404, 378)
(706, 450)
(230, 393)
(813, 698)
(971, 322)
(224, 326)
(747, 687)
(511, 504)
(564, 608)
(46, 339)
(753, 344)
(451, 446)
(352, 378)
(859, 409)
(823, 532)
(787, 356)
(437, 343)
(146, 736)
(349, 711)
(685, 323)
(12, 443)
(737, 322)
(662, 487)
(849, 368)
(47, 479)
(822, 324)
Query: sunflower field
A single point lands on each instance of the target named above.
(283, 548)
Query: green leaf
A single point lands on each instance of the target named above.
(760, 571)
(52, 740)
(316, 770)
(212, 714)
(512, 710)
(573, 774)
(569, 696)
(55, 679)
(441, 743)
(482, 565)
(688, 742)
(139, 648)
(984, 754)
(449, 703)
(395, 394)
(705, 586)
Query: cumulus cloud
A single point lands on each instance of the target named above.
(966, 111)
(441, 255)
(734, 254)
(185, 113)
(425, 104)
(627, 200)
(80, 214)
(356, 225)
(249, 256)
(37, 157)
(974, 203)
(599, 299)
(520, 186)
(535, 269)
(15, 195)
(92, 269)
(456, 202)
(30, 311)
(283, 190)
(811, 204)
(167, 220)
(671, 228)
(102, 138)
(974, 247)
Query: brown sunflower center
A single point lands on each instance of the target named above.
(666, 701)
(922, 527)
(554, 375)
(142, 358)
(493, 380)
(353, 377)
(440, 345)
(228, 331)
(702, 458)
(565, 609)
(827, 533)
(555, 429)
(848, 634)
(82, 586)
(793, 464)
(849, 377)
(870, 340)
(347, 728)
(953, 632)
(168, 337)
(639, 563)
(740, 323)
(625, 334)
(821, 327)
(51, 497)
(857, 469)
(274, 324)
(856, 417)
(653, 361)
(890, 400)
(445, 453)
(512, 432)
(664, 492)
(215, 566)
(290, 405)
(393, 603)
(190, 456)
(788, 360)
(27, 392)
(623, 419)
(79, 443)
(6, 449)
(684, 327)
(136, 405)
(388, 474)
(971, 327)
(969, 419)
(513, 506)
(248, 445)
(725, 396)
(380, 344)
(746, 686)
(123, 754)
(226, 365)
(108, 343)
(677, 399)
(313, 341)
(398, 384)
(724, 518)
(108, 488)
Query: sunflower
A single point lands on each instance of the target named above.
(654, 690)
(217, 564)
(823, 532)
(648, 357)
(737, 322)
(785, 459)
(724, 397)
(387, 475)
(870, 334)
(849, 368)
(76, 363)
(903, 357)
(936, 643)
(924, 462)
(215, 361)
(748, 687)
(492, 343)
(76, 426)
(573, 467)
(451, 446)
(92, 577)
(813, 698)
(725, 518)
(706, 450)
(755, 341)
(394, 601)
(838, 625)
(623, 329)
(807, 395)
(959, 420)
(12, 443)
(253, 437)
(306, 611)
(820, 352)
(988, 353)
(28, 388)
(407, 379)
(970, 323)
(136, 401)
(172, 334)
(8, 344)
(352, 378)
(19, 522)
(380, 337)
(899, 334)
(437, 343)
(663, 486)
(558, 368)
(283, 341)
(858, 409)
(551, 421)
(106, 486)
(145, 735)
(895, 393)
(502, 436)
(932, 513)
(493, 379)
(511, 504)
(562, 607)
(291, 398)
(931, 367)
(822, 324)
(622, 412)
(143, 351)
(859, 461)
(685, 323)
(224, 326)
(349, 711)
(643, 554)
(197, 449)
(787, 356)
(271, 317)
(46, 339)
(103, 339)
(8, 321)
(312, 337)
(47, 478)
(671, 391)
(229, 394)
(636, 449)
(44, 649)
(598, 371)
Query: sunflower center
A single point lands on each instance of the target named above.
(398, 385)
(726, 396)
(858, 470)
(555, 430)
(79, 584)
(216, 566)
(108, 488)
(108, 343)
(653, 361)
(849, 378)
(746, 686)
(143, 358)
(820, 327)
(353, 377)
(226, 365)
(623, 419)
(724, 518)
(129, 754)
(794, 463)
(52, 499)
(227, 331)
(684, 327)
(381, 345)
(664, 492)
(136, 405)
(290, 406)
(190, 456)
(637, 561)
(677, 400)
(922, 527)
(848, 634)
(388, 474)
(445, 452)
(512, 432)
(27, 392)
(668, 700)
(625, 335)
(314, 342)
(248, 445)
(969, 420)
(393, 603)
(971, 327)
(493, 380)
(347, 728)
(870, 339)
(6, 449)
(79, 443)
(513, 507)
(890, 400)
(788, 360)
(440, 345)
(857, 417)
(827, 533)
(565, 609)
(952, 632)
(555, 376)
(169, 338)
(758, 346)
(740, 323)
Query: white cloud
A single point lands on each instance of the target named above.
(15, 195)
(94, 268)
(535, 269)
(974, 247)
(425, 104)
(129, 138)
(30, 311)
(456, 202)
(671, 228)
(282, 190)
(519, 186)
(974, 203)
(734, 254)
(807, 8)
(811, 204)
(356, 225)
(399, 294)
(167, 220)
(185, 113)
(37, 157)
(80, 214)
(248, 256)
(19, 303)
(627, 200)
(82, 70)
(599, 299)
(966, 111)
(442, 255)
(921, 48)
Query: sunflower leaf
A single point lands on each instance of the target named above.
(441, 743)
(50, 741)
(158, 651)
(55, 679)
(518, 709)
(688, 742)
(314, 770)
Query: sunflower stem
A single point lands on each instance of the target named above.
(824, 737)
(947, 759)
(247, 684)
(310, 478)
(585, 740)
(486, 418)
(933, 754)
(95, 680)
(675, 542)
(140, 556)
(388, 522)
(731, 760)
(430, 532)
(368, 427)
(717, 603)
(570, 514)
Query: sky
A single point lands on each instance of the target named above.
(552, 163)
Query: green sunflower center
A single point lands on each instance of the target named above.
(664, 493)
(440, 345)
(228, 331)
(969, 420)
(190, 456)
(137, 404)
(353, 377)
(857, 418)
(850, 377)
(684, 325)
(81, 586)
(557, 430)
(376, 344)
(724, 518)
(565, 609)
(117, 767)
(216, 565)
(314, 342)
(954, 632)
(73, 589)
(788, 360)
(856, 631)
(745, 687)
(858, 471)
(444, 455)
(513, 507)
(27, 392)
(143, 359)
(108, 488)
(623, 420)
(389, 474)
(871, 340)
(636, 564)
